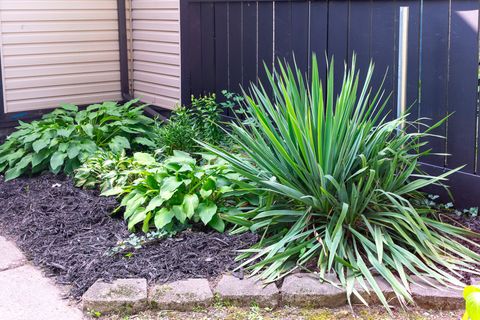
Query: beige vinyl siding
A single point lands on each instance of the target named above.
(59, 51)
(155, 49)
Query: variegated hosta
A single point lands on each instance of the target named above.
(183, 191)
(353, 181)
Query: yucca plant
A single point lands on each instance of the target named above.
(353, 183)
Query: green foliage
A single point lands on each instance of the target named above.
(67, 137)
(110, 170)
(199, 122)
(352, 178)
(181, 191)
(471, 294)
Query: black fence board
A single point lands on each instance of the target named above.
(235, 60)
(384, 51)
(249, 43)
(283, 31)
(435, 73)
(462, 85)
(338, 29)
(319, 32)
(208, 47)
(227, 42)
(359, 34)
(300, 40)
(221, 47)
(265, 41)
(195, 48)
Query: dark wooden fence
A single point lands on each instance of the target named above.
(225, 43)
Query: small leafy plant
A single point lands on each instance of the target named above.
(201, 121)
(182, 191)
(110, 170)
(66, 137)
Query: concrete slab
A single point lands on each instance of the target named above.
(27, 295)
(122, 295)
(246, 291)
(183, 295)
(10, 255)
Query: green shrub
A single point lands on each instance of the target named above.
(353, 179)
(109, 170)
(181, 191)
(201, 121)
(66, 137)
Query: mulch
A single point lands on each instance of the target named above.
(68, 231)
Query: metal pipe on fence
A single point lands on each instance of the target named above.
(402, 62)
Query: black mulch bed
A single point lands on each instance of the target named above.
(67, 231)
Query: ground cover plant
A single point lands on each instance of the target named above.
(353, 183)
(182, 191)
(66, 137)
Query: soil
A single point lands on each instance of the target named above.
(293, 313)
(68, 231)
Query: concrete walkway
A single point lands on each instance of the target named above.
(25, 294)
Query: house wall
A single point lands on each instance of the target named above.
(155, 51)
(56, 51)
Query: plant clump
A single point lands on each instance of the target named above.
(65, 138)
(182, 190)
(353, 183)
(201, 121)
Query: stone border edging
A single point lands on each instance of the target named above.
(300, 289)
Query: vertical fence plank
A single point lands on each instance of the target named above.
(221, 48)
(319, 33)
(283, 31)
(384, 24)
(208, 47)
(300, 40)
(337, 35)
(249, 43)
(434, 72)
(195, 52)
(360, 29)
(235, 60)
(265, 41)
(462, 87)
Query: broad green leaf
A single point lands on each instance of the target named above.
(73, 151)
(40, 144)
(179, 213)
(144, 158)
(88, 129)
(118, 144)
(190, 203)
(163, 217)
(217, 223)
(206, 210)
(69, 107)
(155, 203)
(57, 160)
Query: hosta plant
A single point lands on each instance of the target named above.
(352, 178)
(66, 137)
(182, 191)
(110, 170)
